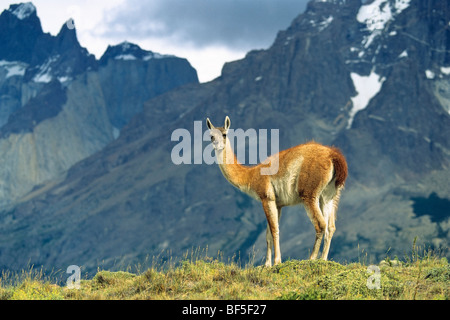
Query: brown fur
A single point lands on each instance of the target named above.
(340, 167)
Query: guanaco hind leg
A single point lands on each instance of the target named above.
(330, 209)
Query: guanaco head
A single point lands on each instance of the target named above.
(219, 135)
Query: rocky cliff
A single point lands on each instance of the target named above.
(372, 79)
(60, 105)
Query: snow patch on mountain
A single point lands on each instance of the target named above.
(323, 24)
(155, 55)
(440, 73)
(125, 57)
(44, 75)
(23, 10)
(367, 87)
(429, 74)
(377, 14)
(13, 68)
(445, 70)
(404, 54)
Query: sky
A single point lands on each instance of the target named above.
(206, 32)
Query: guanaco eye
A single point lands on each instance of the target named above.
(224, 135)
(212, 138)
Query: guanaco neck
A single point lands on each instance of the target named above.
(237, 174)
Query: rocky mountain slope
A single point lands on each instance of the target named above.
(60, 105)
(371, 79)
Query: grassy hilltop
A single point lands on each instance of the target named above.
(426, 278)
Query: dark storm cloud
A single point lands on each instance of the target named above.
(232, 23)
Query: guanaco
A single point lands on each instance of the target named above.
(310, 174)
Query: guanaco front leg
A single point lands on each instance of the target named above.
(273, 215)
(269, 241)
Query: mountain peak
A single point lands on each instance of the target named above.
(22, 10)
(67, 38)
(129, 51)
(20, 31)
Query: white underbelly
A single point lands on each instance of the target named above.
(286, 192)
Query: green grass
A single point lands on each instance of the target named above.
(422, 278)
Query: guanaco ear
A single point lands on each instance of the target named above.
(227, 123)
(209, 124)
